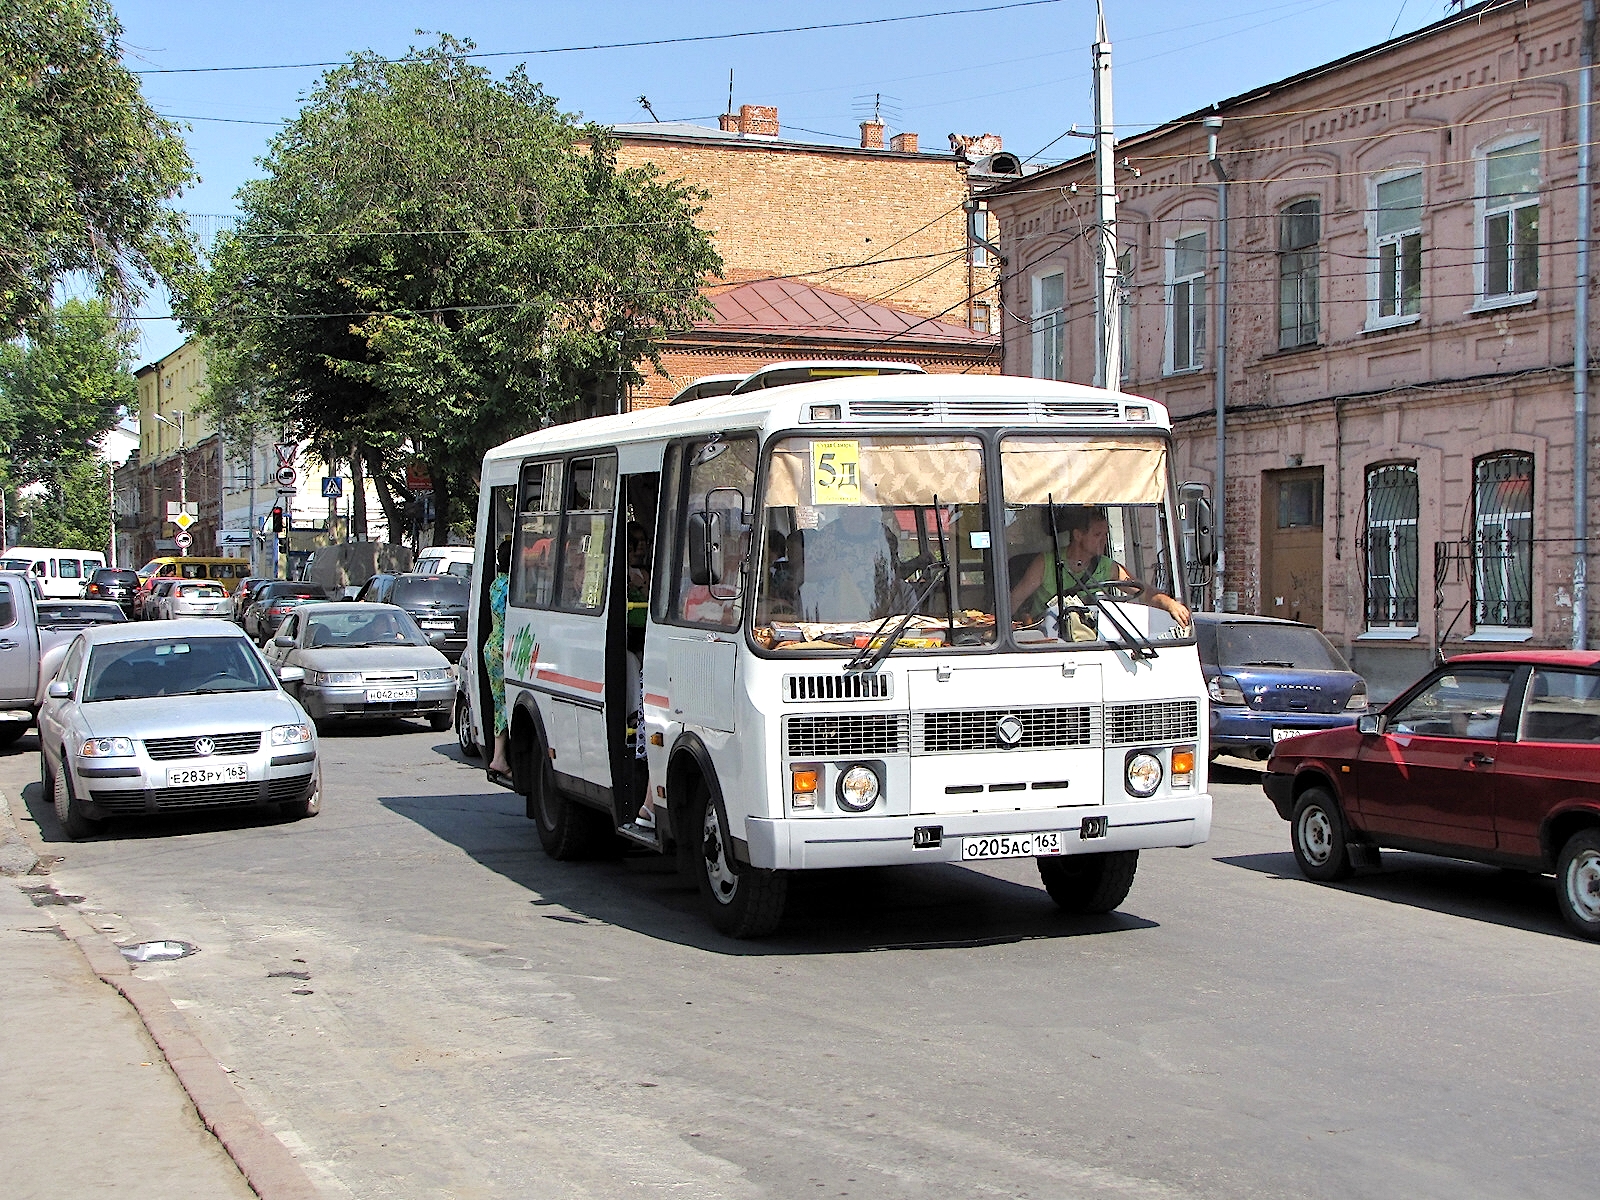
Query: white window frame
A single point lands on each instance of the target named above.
(1376, 243)
(1197, 312)
(1391, 526)
(1498, 525)
(1480, 262)
(1049, 329)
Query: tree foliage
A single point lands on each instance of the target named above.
(436, 261)
(85, 162)
(61, 391)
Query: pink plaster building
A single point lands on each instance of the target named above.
(1399, 287)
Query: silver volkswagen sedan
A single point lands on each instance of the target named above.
(364, 660)
(142, 719)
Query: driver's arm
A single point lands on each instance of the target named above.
(1176, 609)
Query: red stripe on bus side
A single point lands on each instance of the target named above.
(658, 701)
(583, 685)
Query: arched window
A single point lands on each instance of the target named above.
(1391, 546)
(1299, 231)
(1502, 550)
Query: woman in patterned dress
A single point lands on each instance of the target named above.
(494, 656)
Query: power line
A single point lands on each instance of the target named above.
(672, 41)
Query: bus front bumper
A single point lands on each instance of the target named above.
(818, 843)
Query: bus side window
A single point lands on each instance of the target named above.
(723, 466)
(533, 558)
(586, 544)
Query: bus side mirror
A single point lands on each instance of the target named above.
(705, 548)
(1202, 519)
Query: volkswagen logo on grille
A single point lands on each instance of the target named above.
(204, 746)
(1008, 731)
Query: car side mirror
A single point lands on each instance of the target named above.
(1369, 723)
(291, 674)
(58, 690)
(285, 642)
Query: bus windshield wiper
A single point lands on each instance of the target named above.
(1140, 647)
(869, 656)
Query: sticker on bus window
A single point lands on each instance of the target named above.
(836, 472)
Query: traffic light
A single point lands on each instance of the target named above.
(277, 518)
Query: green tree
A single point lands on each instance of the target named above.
(61, 390)
(436, 261)
(72, 509)
(85, 163)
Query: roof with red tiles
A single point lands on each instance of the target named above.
(788, 306)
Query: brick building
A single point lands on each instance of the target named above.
(180, 458)
(1396, 315)
(882, 224)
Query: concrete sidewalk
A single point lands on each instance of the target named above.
(89, 1107)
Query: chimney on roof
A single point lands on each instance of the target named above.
(728, 122)
(872, 135)
(758, 120)
(904, 143)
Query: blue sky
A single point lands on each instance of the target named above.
(1022, 73)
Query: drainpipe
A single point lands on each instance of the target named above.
(1580, 347)
(1213, 125)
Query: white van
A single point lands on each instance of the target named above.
(444, 560)
(56, 574)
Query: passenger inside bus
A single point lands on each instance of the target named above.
(852, 564)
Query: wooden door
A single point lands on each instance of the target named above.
(1291, 545)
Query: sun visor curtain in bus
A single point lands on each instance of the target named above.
(1083, 471)
(886, 473)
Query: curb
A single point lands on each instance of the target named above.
(16, 856)
(265, 1162)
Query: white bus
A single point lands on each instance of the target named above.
(56, 573)
(834, 663)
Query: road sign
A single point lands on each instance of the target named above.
(286, 477)
(183, 520)
(183, 541)
(286, 452)
(333, 486)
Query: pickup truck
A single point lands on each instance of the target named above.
(19, 657)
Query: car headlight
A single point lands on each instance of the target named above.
(333, 677)
(858, 789)
(290, 735)
(434, 675)
(1143, 773)
(112, 747)
(1358, 699)
(1225, 689)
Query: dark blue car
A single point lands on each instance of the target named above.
(1271, 679)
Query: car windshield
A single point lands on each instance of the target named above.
(107, 577)
(1259, 644)
(859, 532)
(14, 564)
(173, 667)
(362, 627)
(57, 616)
(446, 591)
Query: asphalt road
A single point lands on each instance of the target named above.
(420, 1003)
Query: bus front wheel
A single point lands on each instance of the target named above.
(1089, 883)
(744, 901)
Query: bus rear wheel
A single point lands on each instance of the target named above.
(744, 901)
(1089, 883)
(567, 830)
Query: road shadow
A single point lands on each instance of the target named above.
(129, 829)
(1514, 899)
(1233, 770)
(863, 910)
(336, 729)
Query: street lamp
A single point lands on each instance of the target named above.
(181, 425)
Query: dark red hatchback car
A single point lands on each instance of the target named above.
(1490, 757)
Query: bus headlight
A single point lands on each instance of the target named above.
(1142, 774)
(858, 789)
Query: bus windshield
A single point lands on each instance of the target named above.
(1095, 510)
(859, 532)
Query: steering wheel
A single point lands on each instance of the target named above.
(1130, 589)
(213, 678)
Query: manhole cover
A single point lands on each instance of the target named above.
(157, 951)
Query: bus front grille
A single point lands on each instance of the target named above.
(1159, 721)
(857, 686)
(979, 729)
(849, 735)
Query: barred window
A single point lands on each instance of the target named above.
(1502, 552)
(1391, 544)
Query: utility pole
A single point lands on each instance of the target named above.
(1580, 342)
(1107, 322)
(1213, 126)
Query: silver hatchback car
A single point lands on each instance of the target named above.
(143, 719)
